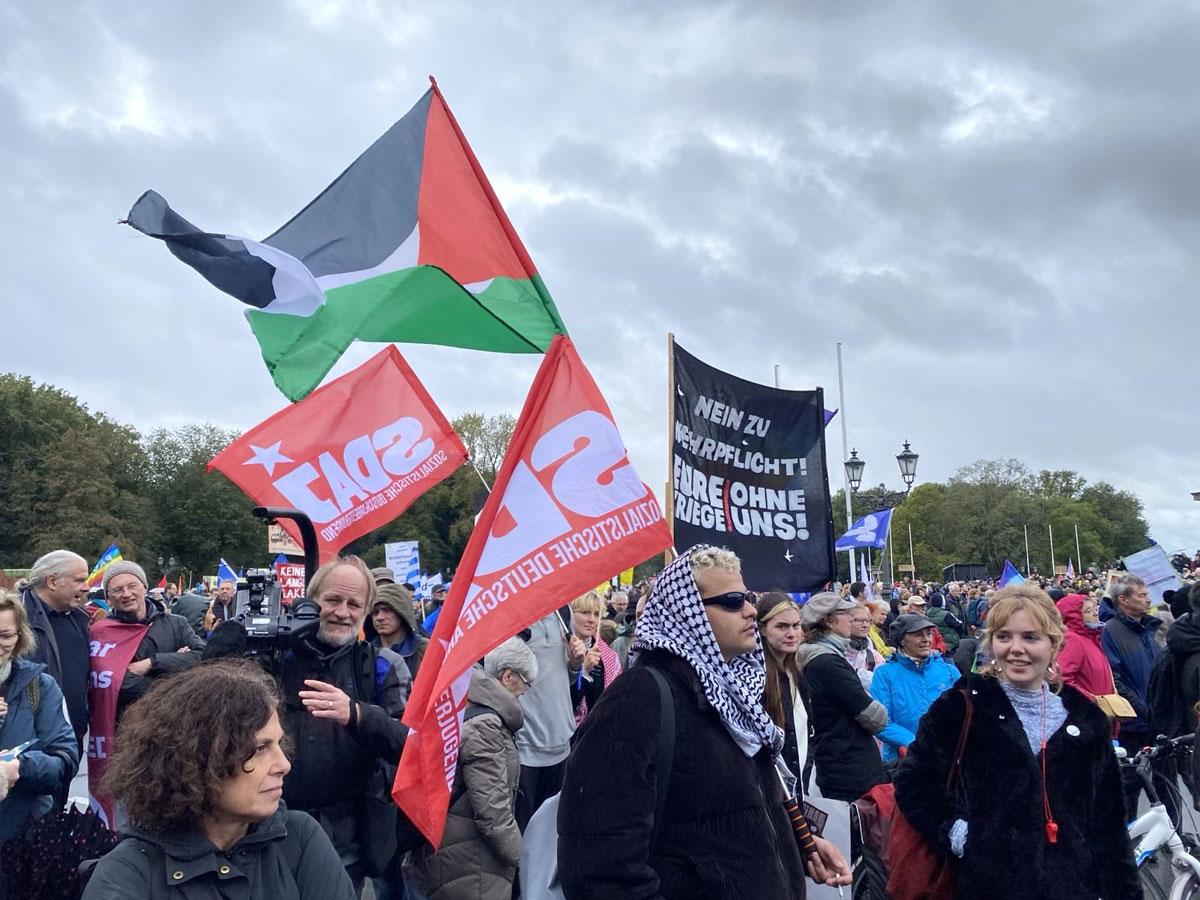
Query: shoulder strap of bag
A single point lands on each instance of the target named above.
(666, 751)
(968, 714)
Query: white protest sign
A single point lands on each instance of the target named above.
(1153, 566)
(402, 557)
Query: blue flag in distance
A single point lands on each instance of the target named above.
(1010, 575)
(869, 531)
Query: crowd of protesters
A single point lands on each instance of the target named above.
(677, 725)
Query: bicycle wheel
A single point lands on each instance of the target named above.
(1157, 876)
(1186, 887)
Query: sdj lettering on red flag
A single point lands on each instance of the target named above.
(567, 511)
(353, 455)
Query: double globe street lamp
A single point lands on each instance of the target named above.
(906, 459)
(880, 497)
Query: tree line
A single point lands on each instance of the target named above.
(74, 478)
(981, 513)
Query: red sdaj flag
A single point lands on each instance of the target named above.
(162, 582)
(567, 512)
(353, 455)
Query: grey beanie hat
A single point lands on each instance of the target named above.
(124, 567)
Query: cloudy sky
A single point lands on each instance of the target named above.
(993, 206)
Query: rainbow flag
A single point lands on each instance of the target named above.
(107, 558)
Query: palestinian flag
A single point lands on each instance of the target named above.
(408, 244)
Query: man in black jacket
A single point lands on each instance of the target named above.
(723, 832)
(342, 705)
(169, 644)
(57, 588)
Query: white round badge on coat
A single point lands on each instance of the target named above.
(1073, 730)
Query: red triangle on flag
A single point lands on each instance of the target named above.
(567, 511)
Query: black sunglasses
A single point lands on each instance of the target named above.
(733, 601)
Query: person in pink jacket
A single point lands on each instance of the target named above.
(1081, 663)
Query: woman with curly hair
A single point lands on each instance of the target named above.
(199, 765)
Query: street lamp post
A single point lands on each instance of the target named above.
(880, 497)
(883, 498)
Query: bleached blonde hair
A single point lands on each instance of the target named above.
(714, 558)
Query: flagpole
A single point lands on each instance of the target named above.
(911, 560)
(776, 376)
(891, 557)
(845, 451)
(487, 487)
(1078, 552)
(1052, 569)
(1027, 570)
(669, 499)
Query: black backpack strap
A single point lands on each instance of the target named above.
(666, 751)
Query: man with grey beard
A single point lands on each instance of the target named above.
(342, 708)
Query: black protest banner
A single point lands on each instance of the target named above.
(748, 473)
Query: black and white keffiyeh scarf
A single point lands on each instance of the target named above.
(674, 620)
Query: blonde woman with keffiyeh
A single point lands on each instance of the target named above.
(724, 832)
(600, 666)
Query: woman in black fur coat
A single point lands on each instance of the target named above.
(1016, 839)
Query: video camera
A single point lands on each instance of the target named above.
(264, 626)
(269, 625)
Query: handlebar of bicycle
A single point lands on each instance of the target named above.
(1162, 746)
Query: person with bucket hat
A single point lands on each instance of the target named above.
(909, 682)
(845, 716)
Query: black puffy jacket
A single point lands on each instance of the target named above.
(724, 832)
(161, 643)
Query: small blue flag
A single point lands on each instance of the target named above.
(869, 531)
(280, 560)
(225, 572)
(1010, 575)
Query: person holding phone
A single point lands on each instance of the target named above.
(31, 709)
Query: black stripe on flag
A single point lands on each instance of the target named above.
(225, 262)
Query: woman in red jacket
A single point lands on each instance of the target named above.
(1082, 664)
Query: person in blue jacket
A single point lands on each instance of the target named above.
(909, 682)
(31, 710)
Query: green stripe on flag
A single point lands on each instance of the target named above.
(420, 305)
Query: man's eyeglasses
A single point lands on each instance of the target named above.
(733, 601)
(525, 681)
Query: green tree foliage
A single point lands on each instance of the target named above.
(981, 513)
(68, 477)
(200, 516)
(73, 478)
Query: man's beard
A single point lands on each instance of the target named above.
(337, 640)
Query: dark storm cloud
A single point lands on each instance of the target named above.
(993, 207)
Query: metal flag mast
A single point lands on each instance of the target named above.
(845, 452)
